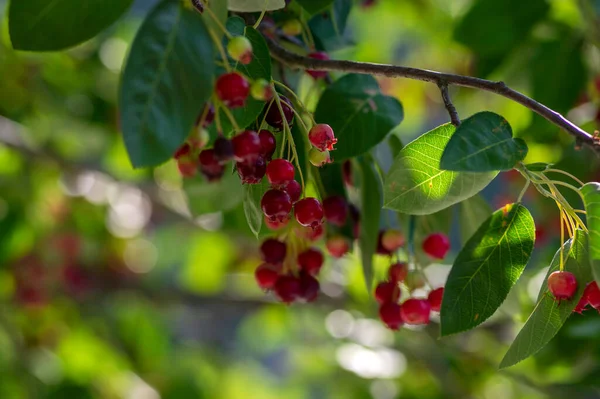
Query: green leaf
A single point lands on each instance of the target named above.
(302, 146)
(370, 210)
(473, 212)
(253, 193)
(328, 28)
(255, 5)
(548, 316)
(486, 268)
(591, 199)
(51, 25)
(395, 144)
(417, 186)
(167, 80)
(332, 179)
(483, 143)
(223, 195)
(219, 9)
(314, 6)
(259, 68)
(479, 28)
(359, 114)
(538, 166)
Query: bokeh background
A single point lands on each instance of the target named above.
(110, 287)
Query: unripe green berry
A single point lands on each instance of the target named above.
(240, 49)
(414, 280)
(261, 90)
(292, 27)
(318, 158)
(199, 137)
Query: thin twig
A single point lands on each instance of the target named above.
(395, 71)
(454, 119)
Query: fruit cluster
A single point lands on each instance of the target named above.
(563, 285)
(413, 311)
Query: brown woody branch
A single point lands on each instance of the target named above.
(439, 78)
(448, 104)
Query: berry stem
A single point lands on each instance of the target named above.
(295, 97)
(218, 118)
(219, 46)
(216, 20)
(306, 31)
(288, 132)
(230, 116)
(524, 190)
(562, 236)
(566, 174)
(262, 15)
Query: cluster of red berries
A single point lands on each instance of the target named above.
(563, 285)
(413, 311)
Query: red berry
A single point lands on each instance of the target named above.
(562, 284)
(389, 313)
(309, 212)
(415, 311)
(337, 246)
(210, 166)
(335, 209)
(208, 112)
(223, 149)
(322, 137)
(387, 291)
(274, 118)
(187, 167)
(398, 272)
(287, 289)
(182, 151)
(275, 224)
(246, 146)
(267, 144)
(251, 173)
(293, 189)
(581, 305)
(273, 251)
(347, 173)
(261, 90)
(367, 3)
(436, 245)
(309, 288)
(435, 299)
(319, 158)
(312, 234)
(240, 49)
(276, 205)
(381, 250)
(233, 89)
(266, 276)
(311, 261)
(592, 294)
(280, 172)
(392, 240)
(318, 55)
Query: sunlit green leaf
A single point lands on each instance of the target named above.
(167, 80)
(549, 315)
(486, 268)
(314, 6)
(359, 114)
(483, 143)
(42, 25)
(255, 5)
(416, 185)
(591, 196)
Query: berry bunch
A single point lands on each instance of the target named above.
(563, 285)
(591, 296)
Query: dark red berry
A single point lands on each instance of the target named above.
(293, 189)
(389, 313)
(322, 137)
(309, 288)
(246, 146)
(287, 289)
(276, 224)
(562, 284)
(267, 144)
(335, 209)
(182, 151)
(311, 261)
(318, 55)
(187, 167)
(398, 272)
(280, 172)
(436, 245)
(581, 305)
(274, 117)
(251, 173)
(415, 311)
(210, 166)
(312, 234)
(266, 276)
(387, 291)
(592, 294)
(381, 250)
(276, 205)
(232, 89)
(337, 246)
(309, 212)
(435, 299)
(223, 149)
(208, 112)
(347, 173)
(273, 251)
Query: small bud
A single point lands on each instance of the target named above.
(318, 158)
(261, 90)
(240, 49)
(292, 27)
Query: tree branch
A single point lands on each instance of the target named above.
(439, 78)
(448, 104)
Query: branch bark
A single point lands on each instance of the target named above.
(454, 119)
(439, 78)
